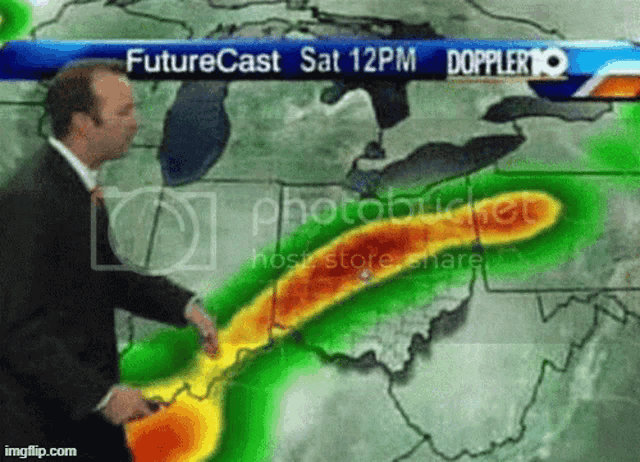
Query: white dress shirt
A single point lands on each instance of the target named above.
(88, 176)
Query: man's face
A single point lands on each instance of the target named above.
(116, 109)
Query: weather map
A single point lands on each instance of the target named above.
(401, 270)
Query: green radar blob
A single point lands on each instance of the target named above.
(15, 19)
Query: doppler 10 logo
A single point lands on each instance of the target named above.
(532, 63)
(15, 19)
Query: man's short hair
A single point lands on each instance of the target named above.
(71, 91)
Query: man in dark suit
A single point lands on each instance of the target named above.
(59, 365)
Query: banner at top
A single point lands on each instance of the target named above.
(558, 70)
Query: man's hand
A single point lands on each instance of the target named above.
(126, 404)
(206, 326)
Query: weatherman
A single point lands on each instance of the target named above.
(59, 376)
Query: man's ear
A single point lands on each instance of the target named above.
(80, 122)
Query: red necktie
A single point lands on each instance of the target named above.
(97, 196)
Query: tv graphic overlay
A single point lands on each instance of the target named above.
(560, 71)
(531, 64)
(619, 79)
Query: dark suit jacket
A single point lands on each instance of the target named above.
(59, 355)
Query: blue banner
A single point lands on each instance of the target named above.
(554, 69)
